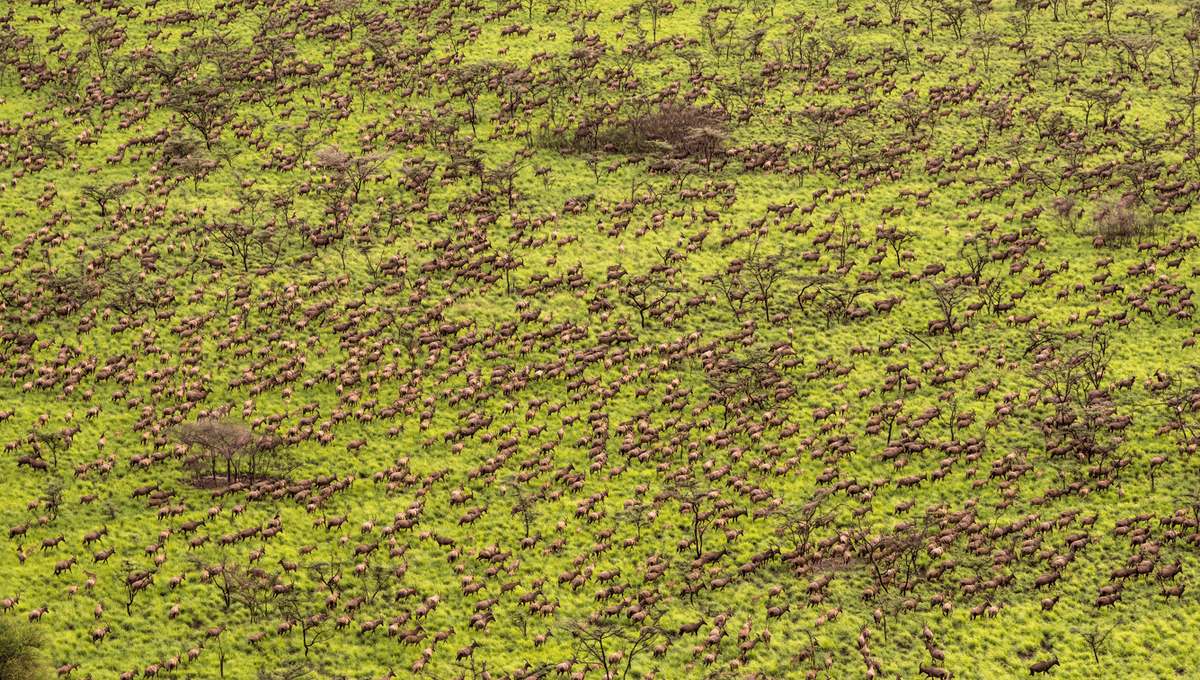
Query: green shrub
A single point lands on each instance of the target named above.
(22, 651)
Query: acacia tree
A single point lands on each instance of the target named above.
(239, 238)
(247, 590)
(327, 573)
(51, 441)
(376, 580)
(695, 502)
(796, 523)
(290, 670)
(202, 106)
(836, 301)
(762, 274)
(220, 440)
(101, 30)
(731, 288)
(503, 179)
(645, 293)
(525, 505)
(227, 577)
(612, 646)
(1138, 49)
(742, 383)
(895, 239)
(52, 496)
(1099, 99)
(349, 172)
(1182, 402)
(102, 195)
(1072, 377)
(638, 514)
(655, 10)
(883, 552)
(955, 12)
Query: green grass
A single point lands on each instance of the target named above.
(1150, 638)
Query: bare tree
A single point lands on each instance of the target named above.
(948, 295)
(1095, 638)
(696, 501)
(304, 609)
(133, 582)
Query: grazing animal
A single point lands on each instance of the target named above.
(1176, 592)
(692, 628)
(64, 565)
(1043, 666)
(466, 651)
(99, 634)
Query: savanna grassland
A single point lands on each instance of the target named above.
(470, 339)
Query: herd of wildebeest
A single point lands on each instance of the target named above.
(540, 339)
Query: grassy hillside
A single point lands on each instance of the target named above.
(601, 340)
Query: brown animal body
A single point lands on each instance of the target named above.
(466, 651)
(1042, 666)
(691, 628)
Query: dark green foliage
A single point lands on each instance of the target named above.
(22, 651)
